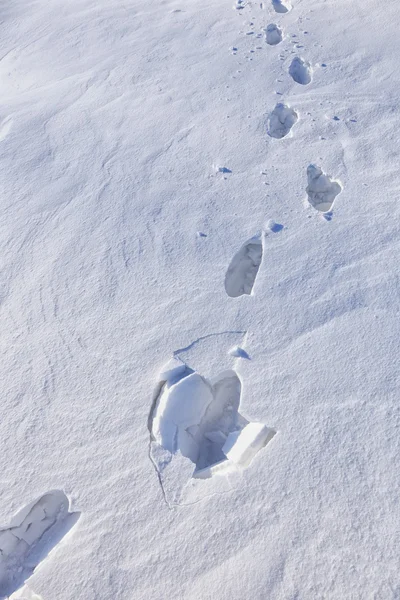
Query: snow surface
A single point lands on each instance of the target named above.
(117, 231)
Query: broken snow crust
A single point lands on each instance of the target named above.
(193, 420)
(112, 117)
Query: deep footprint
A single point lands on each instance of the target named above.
(273, 34)
(281, 121)
(321, 189)
(33, 532)
(242, 272)
(196, 430)
(281, 6)
(300, 71)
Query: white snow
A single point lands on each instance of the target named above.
(135, 163)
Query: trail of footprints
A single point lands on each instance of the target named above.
(192, 418)
(196, 429)
(321, 189)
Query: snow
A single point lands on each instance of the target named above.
(135, 163)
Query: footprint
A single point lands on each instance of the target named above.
(242, 272)
(300, 71)
(321, 189)
(197, 419)
(33, 532)
(273, 34)
(281, 6)
(281, 121)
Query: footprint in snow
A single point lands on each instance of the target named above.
(196, 430)
(281, 121)
(321, 189)
(281, 6)
(242, 271)
(300, 71)
(33, 532)
(273, 34)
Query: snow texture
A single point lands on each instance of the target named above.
(117, 229)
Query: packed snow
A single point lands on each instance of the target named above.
(190, 409)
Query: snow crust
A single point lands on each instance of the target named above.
(117, 231)
(198, 419)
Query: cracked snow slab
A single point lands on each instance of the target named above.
(32, 534)
(197, 432)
